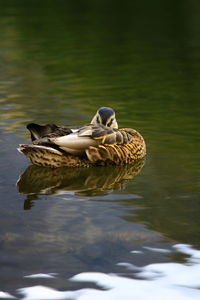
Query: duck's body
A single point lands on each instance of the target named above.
(99, 143)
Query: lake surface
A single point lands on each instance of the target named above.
(119, 232)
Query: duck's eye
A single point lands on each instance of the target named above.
(110, 123)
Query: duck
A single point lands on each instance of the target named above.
(97, 144)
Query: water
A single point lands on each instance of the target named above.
(59, 62)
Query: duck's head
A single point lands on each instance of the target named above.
(105, 116)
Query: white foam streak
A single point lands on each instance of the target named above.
(41, 292)
(4, 295)
(160, 281)
(187, 249)
(136, 252)
(41, 275)
(157, 250)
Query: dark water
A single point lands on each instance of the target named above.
(59, 62)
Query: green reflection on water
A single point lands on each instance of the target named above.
(75, 57)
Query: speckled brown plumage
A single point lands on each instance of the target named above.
(48, 157)
(120, 146)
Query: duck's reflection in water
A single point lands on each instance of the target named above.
(79, 181)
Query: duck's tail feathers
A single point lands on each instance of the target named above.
(39, 131)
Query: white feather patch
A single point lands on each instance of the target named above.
(73, 141)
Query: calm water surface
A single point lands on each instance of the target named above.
(59, 62)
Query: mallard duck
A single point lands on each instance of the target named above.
(99, 143)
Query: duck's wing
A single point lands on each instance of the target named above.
(77, 141)
(118, 146)
(90, 137)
